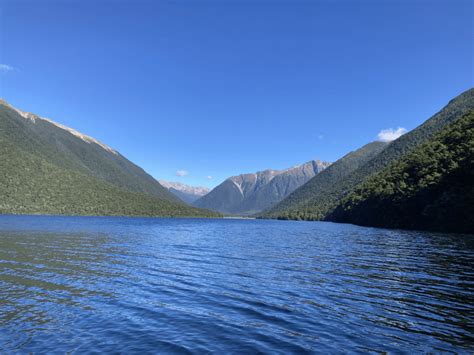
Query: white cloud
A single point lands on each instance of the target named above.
(390, 134)
(182, 173)
(4, 68)
(209, 177)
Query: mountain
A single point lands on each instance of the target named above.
(294, 206)
(317, 203)
(431, 188)
(47, 168)
(186, 193)
(251, 193)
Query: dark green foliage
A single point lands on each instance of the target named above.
(50, 142)
(298, 205)
(54, 172)
(431, 188)
(317, 202)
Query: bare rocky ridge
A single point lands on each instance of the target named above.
(187, 193)
(247, 194)
(35, 118)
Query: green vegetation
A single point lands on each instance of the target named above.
(298, 204)
(431, 188)
(315, 201)
(55, 144)
(54, 172)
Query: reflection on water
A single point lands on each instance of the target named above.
(130, 285)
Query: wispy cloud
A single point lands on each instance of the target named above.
(182, 173)
(209, 177)
(5, 68)
(320, 137)
(390, 134)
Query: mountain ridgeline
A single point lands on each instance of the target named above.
(422, 180)
(47, 168)
(297, 201)
(184, 192)
(251, 193)
(430, 188)
(324, 198)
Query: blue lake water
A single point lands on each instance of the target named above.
(80, 284)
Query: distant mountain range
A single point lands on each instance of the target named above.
(422, 180)
(48, 168)
(247, 194)
(324, 181)
(186, 193)
(342, 197)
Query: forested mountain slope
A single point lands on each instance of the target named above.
(430, 188)
(301, 197)
(47, 168)
(317, 204)
(70, 149)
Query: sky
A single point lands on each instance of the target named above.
(197, 91)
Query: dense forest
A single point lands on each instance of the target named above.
(72, 150)
(32, 185)
(430, 188)
(422, 180)
(319, 201)
(46, 169)
(296, 204)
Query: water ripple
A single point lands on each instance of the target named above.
(193, 286)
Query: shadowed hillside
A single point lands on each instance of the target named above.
(430, 188)
(316, 201)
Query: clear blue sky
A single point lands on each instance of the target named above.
(225, 87)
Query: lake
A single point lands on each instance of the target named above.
(83, 284)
